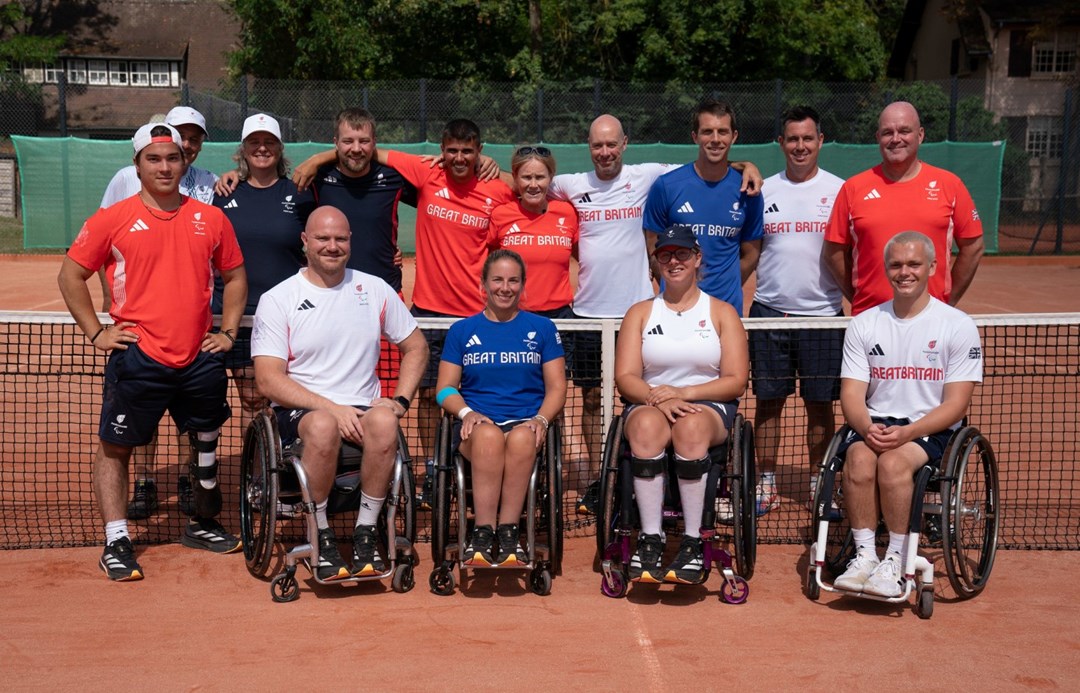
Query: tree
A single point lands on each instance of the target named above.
(18, 43)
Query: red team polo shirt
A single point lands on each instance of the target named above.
(160, 271)
(545, 242)
(451, 235)
(870, 209)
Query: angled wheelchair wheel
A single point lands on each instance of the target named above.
(840, 545)
(970, 513)
(404, 510)
(553, 496)
(259, 464)
(443, 489)
(749, 502)
(609, 469)
(736, 484)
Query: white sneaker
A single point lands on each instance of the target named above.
(885, 580)
(725, 515)
(858, 570)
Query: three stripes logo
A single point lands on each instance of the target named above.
(139, 225)
(444, 193)
(585, 199)
(686, 208)
(873, 195)
(473, 341)
(773, 208)
(877, 351)
(306, 305)
(514, 228)
(232, 205)
(656, 330)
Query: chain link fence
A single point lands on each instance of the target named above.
(1040, 211)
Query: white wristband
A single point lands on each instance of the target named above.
(542, 419)
(463, 412)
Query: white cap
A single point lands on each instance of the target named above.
(260, 122)
(143, 139)
(185, 115)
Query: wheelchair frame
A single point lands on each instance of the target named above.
(450, 521)
(262, 464)
(617, 522)
(966, 515)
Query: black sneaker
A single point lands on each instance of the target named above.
(688, 567)
(207, 500)
(185, 499)
(510, 551)
(208, 534)
(427, 489)
(331, 564)
(478, 550)
(118, 561)
(144, 501)
(589, 503)
(365, 558)
(645, 563)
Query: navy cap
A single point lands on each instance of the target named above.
(677, 235)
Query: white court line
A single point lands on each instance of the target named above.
(652, 662)
(53, 304)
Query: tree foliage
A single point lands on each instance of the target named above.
(18, 41)
(621, 40)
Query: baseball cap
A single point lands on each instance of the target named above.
(677, 235)
(186, 115)
(143, 139)
(260, 122)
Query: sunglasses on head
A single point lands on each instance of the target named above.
(526, 151)
(682, 255)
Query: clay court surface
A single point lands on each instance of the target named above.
(200, 622)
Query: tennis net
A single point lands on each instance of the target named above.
(1028, 406)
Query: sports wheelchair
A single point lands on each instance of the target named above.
(451, 514)
(955, 506)
(274, 490)
(731, 477)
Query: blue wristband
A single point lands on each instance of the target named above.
(445, 394)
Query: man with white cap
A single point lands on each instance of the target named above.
(159, 249)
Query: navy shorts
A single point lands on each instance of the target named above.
(288, 423)
(455, 432)
(587, 350)
(932, 445)
(435, 339)
(138, 390)
(726, 410)
(778, 356)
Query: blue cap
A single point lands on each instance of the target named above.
(678, 236)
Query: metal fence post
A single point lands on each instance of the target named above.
(243, 97)
(539, 114)
(778, 96)
(954, 99)
(61, 102)
(365, 94)
(423, 110)
(596, 97)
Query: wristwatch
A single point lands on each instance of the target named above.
(403, 401)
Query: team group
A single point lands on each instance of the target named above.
(315, 259)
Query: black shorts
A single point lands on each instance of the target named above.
(435, 339)
(587, 350)
(932, 445)
(288, 422)
(138, 390)
(778, 356)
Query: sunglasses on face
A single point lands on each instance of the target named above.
(682, 255)
(539, 151)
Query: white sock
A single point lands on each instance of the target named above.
(896, 544)
(864, 540)
(369, 509)
(117, 529)
(206, 459)
(320, 515)
(650, 502)
(692, 493)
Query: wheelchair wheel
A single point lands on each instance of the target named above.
(553, 459)
(970, 512)
(736, 483)
(441, 581)
(925, 606)
(284, 587)
(609, 489)
(540, 581)
(403, 579)
(443, 489)
(748, 545)
(259, 465)
(840, 545)
(404, 510)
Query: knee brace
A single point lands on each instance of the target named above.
(691, 469)
(646, 468)
(203, 443)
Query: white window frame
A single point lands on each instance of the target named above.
(140, 73)
(35, 74)
(118, 73)
(52, 73)
(76, 71)
(1056, 56)
(159, 74)
(98, 72)
(1044, 137)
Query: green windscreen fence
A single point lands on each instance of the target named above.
(63, 179)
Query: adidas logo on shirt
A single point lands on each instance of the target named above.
(473, 341)
(877, 351)
(232, 205)
(686, 208)
(656, 330)
(139, 225)
(444, 193)
(872, 195)
(585, 199)
(306, 305)
(773, 208)
(514, 228)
